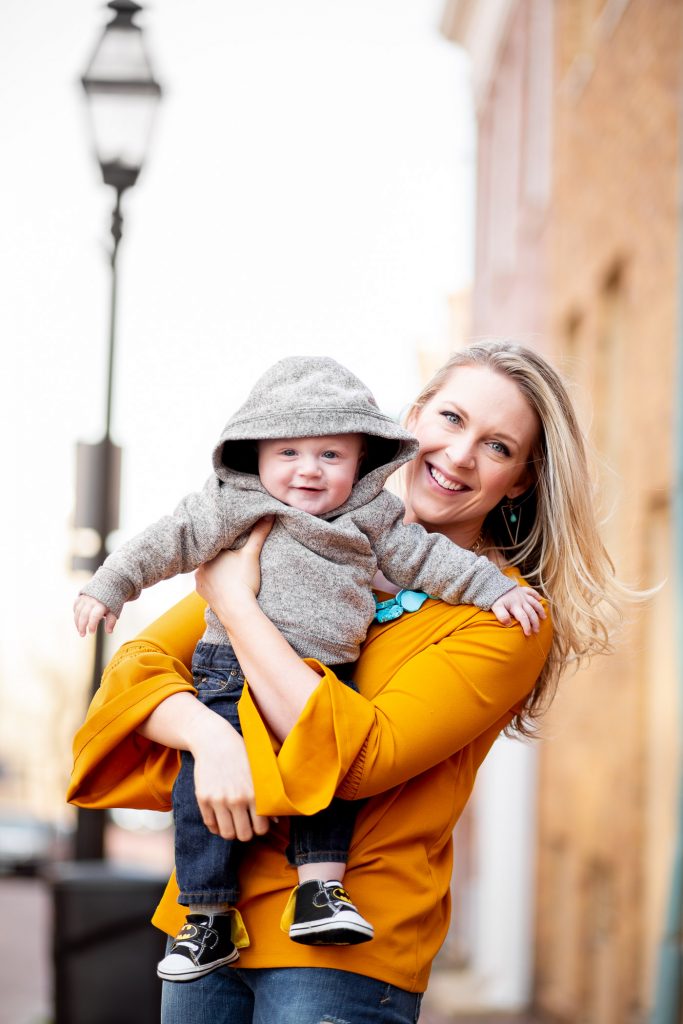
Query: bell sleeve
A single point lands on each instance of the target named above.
(113, 765)
(441, 700)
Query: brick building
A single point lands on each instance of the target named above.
(579, 110)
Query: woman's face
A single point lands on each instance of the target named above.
(475, 435)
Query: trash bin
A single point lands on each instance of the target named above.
(105, 950)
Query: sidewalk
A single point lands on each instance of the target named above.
(26, 914)
(448, 1001)
(459, 997)
(429, 1016)
(25, 979)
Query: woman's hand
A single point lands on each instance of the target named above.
(281, 682)
(223, 782)
(233, 578)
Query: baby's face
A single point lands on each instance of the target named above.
(314, 474)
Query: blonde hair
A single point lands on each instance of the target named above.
(558, 548)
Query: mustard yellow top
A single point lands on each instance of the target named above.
(436, 688)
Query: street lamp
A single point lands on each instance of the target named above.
(122, 96)
(98, 907)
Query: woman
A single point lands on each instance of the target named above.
(501, 469)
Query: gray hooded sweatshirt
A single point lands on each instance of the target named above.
(316, 571)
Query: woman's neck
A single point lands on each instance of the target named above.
(468, 535)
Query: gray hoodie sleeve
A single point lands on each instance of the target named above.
(201, 526)
(416, 560)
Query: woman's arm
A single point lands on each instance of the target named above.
(280, 681)
(432, 685)
(145, 711)
(223, 784)
(444, 698)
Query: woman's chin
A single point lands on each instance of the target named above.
(435, 501)
(435, 514)
(447, 515)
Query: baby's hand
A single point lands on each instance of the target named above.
(87, 613)
(523, 604)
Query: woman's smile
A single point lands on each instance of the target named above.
(445, 482)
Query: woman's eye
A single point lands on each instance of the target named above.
(499, 447)
(452, 417)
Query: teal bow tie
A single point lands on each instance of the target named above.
(405, 601)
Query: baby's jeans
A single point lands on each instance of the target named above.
(206, 864)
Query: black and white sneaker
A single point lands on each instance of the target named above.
(203, 944)
(325, 916)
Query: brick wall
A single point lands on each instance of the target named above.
(608, 767)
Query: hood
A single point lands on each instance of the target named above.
(310, 396)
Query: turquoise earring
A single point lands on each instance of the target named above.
(512, 517)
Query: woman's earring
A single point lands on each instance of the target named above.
(512, 517)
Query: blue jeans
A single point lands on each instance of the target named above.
(287, 995)
(206, 865)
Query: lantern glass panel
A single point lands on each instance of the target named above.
(121, 125)
(120, 57)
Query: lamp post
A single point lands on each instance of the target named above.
(122, 96)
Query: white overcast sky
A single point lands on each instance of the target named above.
(309, 189)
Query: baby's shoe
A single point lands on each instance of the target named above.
(325, 916)
(203, 944)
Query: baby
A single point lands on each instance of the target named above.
(311, 448)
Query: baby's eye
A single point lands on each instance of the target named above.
(330, 455)
(289, 452)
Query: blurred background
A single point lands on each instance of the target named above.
(380, 181)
